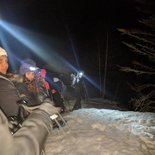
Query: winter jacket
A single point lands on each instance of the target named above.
(29, 139)
(8, 97)
(31, 91)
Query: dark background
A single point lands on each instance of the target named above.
(77, 31)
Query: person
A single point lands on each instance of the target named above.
(57, 93)
(77, 86)
(29, 85)
(30, 138)
(35, 86)
(9, 95)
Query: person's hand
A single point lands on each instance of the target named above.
(49, 108)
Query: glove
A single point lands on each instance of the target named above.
(49, 108)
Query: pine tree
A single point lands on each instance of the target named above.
(141, 41)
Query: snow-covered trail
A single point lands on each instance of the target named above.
(104, 132)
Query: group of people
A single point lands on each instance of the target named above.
(21, 127)
(16, 91)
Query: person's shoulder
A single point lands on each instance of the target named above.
(5, 83)
(3, 78)
(15, 78)
(10, 79)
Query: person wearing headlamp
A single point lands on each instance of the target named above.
(30, 87)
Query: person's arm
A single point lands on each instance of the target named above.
(30, 138)
(6, 139)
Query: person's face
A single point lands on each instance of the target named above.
(3, 64)
(30, 75)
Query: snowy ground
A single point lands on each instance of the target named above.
(104, 132)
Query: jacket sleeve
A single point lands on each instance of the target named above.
(8, 98)
(31, 137)
(6, 139)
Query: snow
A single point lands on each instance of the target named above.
(104, 132)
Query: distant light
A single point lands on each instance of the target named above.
(80, 74)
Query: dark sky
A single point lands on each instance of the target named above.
(79, 26)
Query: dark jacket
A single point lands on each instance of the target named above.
(8, 97)
(30, 91)
(29, 139)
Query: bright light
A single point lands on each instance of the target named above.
(32, 68)
(55, 79)
(36, 45)
(55, 61)
(80, 74)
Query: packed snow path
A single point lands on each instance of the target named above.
(104, 132)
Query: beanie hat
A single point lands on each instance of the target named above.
(2, 52)
(25, 66)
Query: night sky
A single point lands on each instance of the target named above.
(80, 28)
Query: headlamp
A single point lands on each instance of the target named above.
(80, 74)
(33, 68)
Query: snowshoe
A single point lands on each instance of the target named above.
(58, 121)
